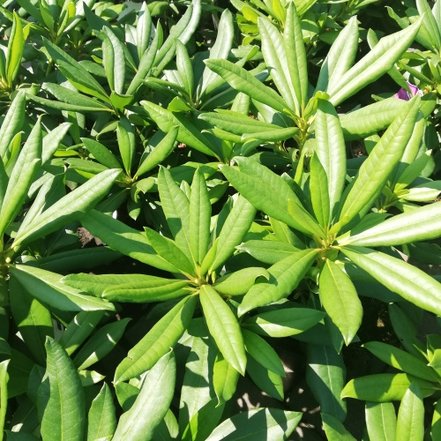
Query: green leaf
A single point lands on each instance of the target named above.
(113, 60)
(220, 49)
(379, 165)
(125, 134)
(243, 81)
(263, 352)
(340, 300)
(401, 360)
(296, 57)
(184, 68)
(68, 208)
(63, 417)
(267, 251)
(101, 417)
(423, 223)
(199, 219)
(381, 421)
(406, 280)
(33, 320)
(4, 377)
(429, 25)
(258, 184)
(101, 153)
(233, 231)
(100, 344)
(373, 65)
(124, 239)
(15, 49)
(223, 327)
(21, 177)
(270, 424)
(318, 186)
(383, 387)
(340, 57)
(158, 341)
(240, 281)
(410, 420)
(169, 251)
(325, 375)
(331, 150)
(283, 322)
(52, 141)
(285, 276)
(161, 151)
(334, 429)
(48, 288)
(151, 404)
(225, 379)
(77, 75)
(12, 122)
(267, 381)
(133, 288)
(436, 419)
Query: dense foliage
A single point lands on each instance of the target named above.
(220, 220)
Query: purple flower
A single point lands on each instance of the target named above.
(406, 95)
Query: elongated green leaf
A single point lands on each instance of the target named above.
(340, 300)
(125, 134)
(331, 150)
(318, 186)
(101, 153)
(100, 344)
(283, 322)
(334, 429)
(151, 404)
(3, 393)
(79, 329)
(428, 24)
(15, 49)
(48, 288)
(398, 276)
(423, 223)
(80, 78)
(236, 225)
(143, 29)
(159, 152)
(259, 185)
(33, 320)
(239, 282)
(21, 177)
(124, 239)
(381, 388)
(188, 133)
(169, 251)
(381, 421)
(220, 49)
(184, 68)
(373, 65)
(64, 414)
(379, 165)
(199, 219)
(69, 208)
(225, 379)
(158, 341)
(285, 276)
(325, 375)
(224, 328)
(101, 417)
(267, 251)
(296, 57)
(340, 57)
(262, 352)
(113, 60)
(270, 424)
(276, 58)
(410, 421)
(133, 288)
(267, 381)
(401, 360)
(243, 81)
(52, 141)
(12, 122)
